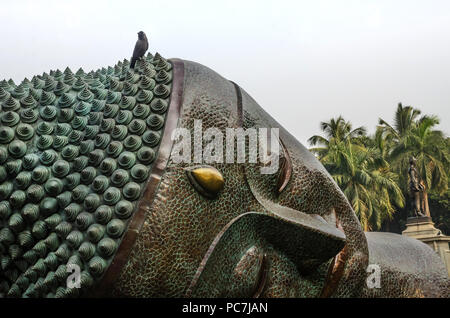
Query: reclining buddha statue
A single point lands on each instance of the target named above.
(95, 202)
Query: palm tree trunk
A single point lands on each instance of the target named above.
(422, 203)
(425, 204)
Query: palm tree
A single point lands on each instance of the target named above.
(404, 120)
(368, 184)
(336, 130)
(362, 173)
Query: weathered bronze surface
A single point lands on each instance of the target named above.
(87, 178)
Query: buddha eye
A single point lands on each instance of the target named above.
(207, 180)
(285, 171)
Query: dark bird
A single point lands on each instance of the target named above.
(140, 48)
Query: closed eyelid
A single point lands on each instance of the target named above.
(285, 171)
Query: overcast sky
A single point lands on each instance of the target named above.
(303, 61)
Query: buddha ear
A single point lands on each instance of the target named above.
(240, 248)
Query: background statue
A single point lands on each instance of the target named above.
(416, 188)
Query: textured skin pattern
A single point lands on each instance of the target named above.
(76, 151)
(252, 239)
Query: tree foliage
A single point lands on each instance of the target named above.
(372, 170)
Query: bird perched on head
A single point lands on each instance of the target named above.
(140, 48)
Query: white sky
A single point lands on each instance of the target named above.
(303, 61)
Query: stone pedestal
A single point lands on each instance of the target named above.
(422, 228)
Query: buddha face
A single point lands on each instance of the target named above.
(217, 228)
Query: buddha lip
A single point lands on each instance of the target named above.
(336, 269)
(261, 281)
